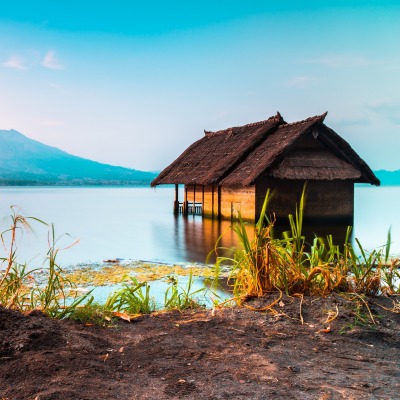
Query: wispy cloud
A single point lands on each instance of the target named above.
(15, 62)
(383, 104)
(50, 61)
(342, 61)
(63, 89)
(386, 108)
(50, 122)
(300, 82)
(352, 122)
(394, 65)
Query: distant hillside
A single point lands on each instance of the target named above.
(24, 161)
(388, 177)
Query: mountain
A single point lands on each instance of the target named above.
(24, 161)
(388, 177)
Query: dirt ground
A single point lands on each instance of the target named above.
(229, 353)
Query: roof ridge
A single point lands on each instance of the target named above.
(277, 118)
(304, 121)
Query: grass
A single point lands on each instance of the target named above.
(133, 298)
(18, 289)
(362, 315)
(93, 313)
(182, 298)
(265, 264)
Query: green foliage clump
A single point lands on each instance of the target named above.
(18, 289)
(181, 298)
(132, 298)
(264, 263)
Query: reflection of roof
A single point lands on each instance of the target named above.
(239, 155)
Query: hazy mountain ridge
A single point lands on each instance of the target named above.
(25, 161)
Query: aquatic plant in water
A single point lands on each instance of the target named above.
(132, 298)
(181, 298)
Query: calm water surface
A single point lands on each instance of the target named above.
(138, 223)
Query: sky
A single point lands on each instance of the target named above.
(134, 83)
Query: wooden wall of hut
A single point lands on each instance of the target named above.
(209, 196)
(224, 202)
(326, 201)
(211, 204)
(235, 200)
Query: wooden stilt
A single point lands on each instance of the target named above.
(202, 202)
(185, 202)
(176, 202)
(212, 203)
(219, 203)
(194, 200)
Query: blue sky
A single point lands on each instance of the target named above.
(134, 83)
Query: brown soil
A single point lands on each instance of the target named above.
(231, 353)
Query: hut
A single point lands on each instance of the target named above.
(228, 172)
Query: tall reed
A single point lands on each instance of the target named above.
(58, 296)
(265, 263)
(18, 223)
(18, 289)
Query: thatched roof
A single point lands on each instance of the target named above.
(240, 155)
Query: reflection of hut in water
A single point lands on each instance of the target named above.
(228, 172)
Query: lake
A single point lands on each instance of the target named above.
(138, 224)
